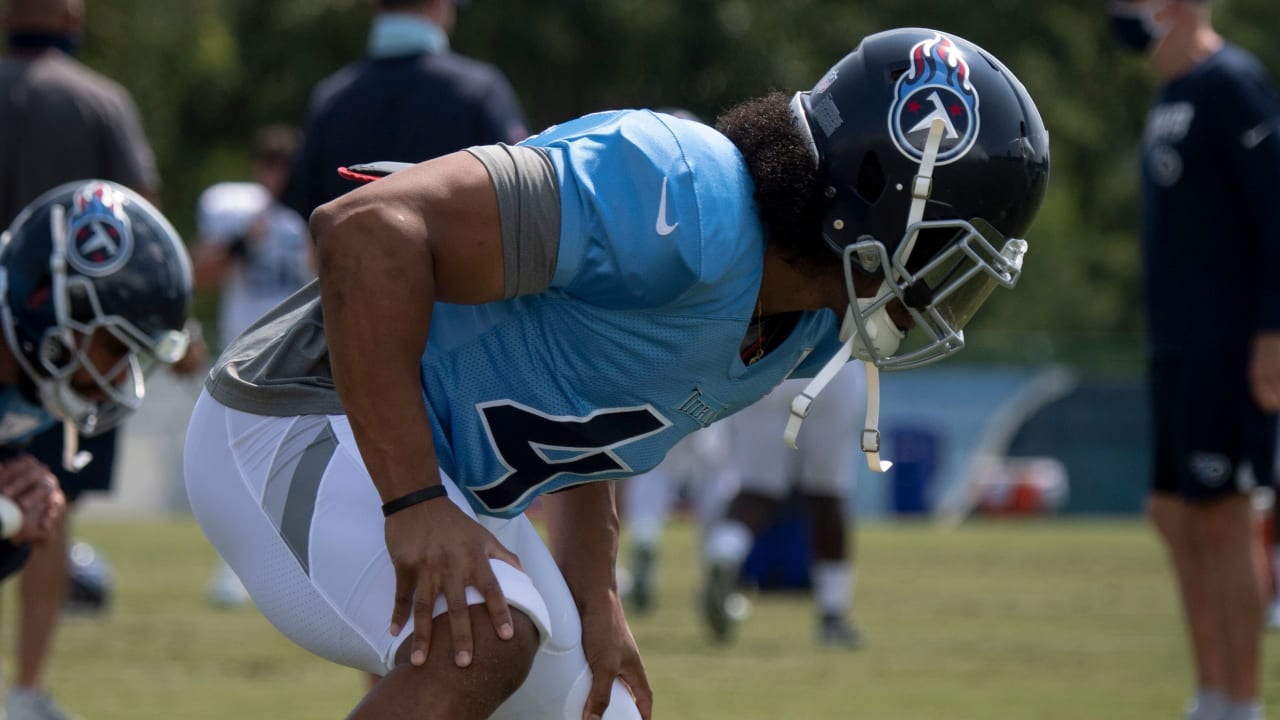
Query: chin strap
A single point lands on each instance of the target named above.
(922, 184)
(871, 431)
(803, 403)
(921, 188)
(73, 458)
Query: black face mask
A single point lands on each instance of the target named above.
(32, 42)
(1133, 27)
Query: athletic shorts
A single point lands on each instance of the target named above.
(826, 458)
(288, 503)
(1210, 439)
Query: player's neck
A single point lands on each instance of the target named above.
(788, 288)
(1181, 52)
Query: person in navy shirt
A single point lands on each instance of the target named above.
(520, 322)
(1210, 169)
(410, 99)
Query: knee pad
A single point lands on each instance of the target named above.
(560, 679)
(557, 687)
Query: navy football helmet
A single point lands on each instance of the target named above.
(934, 160)
(87, 256)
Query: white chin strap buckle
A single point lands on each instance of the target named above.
(871, 431)
(73, 458)
(803, 402)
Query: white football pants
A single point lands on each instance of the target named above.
(289, 505)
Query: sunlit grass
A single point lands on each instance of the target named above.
(1051, 620)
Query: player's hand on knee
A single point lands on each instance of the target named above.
(30, 484)
(612, 654)
(436, 550)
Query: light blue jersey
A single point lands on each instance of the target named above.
(20, 420)
(636, 342)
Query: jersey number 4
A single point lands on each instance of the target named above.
(537, 448)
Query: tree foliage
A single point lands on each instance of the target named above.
(206, 72)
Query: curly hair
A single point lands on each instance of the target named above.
(787, 189)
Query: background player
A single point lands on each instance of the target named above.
(691, 471)
(96, 287)
(819, 474)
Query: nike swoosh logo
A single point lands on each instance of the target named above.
(1254, 136)
(662, 227)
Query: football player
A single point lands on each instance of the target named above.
(820, 474)
(95, 286)
(507, 322)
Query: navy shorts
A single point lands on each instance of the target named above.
(96, 476)
(1211, 440)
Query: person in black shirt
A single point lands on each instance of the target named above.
(1210, 167)
(410, 99)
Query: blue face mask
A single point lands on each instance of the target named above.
(1135, 26)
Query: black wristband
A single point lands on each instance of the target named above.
(413, 498)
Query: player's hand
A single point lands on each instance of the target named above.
(194, 360)
(438, 550)
(29, 483)
(612, 653)
(1264, 371)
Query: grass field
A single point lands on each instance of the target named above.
(1050, 620)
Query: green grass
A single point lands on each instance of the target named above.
(993, 620)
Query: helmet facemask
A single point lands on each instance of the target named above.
(941, 289)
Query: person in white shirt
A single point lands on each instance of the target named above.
(255, 251)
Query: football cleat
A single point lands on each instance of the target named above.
(834, 631)
(90, 580)
(723, 605)
(31, 704)
(642, 593)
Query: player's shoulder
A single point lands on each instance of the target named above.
(466, 69)
(331, 88)
(643, 138)
(60, 70)
(1234, 68)
(667, 199)
(1233, 58)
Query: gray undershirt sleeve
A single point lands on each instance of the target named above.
(529, 209)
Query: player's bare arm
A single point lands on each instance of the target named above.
(582, 529)
(386, 253)
(1264, 371)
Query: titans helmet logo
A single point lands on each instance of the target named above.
(99, 240)
(937, 85)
